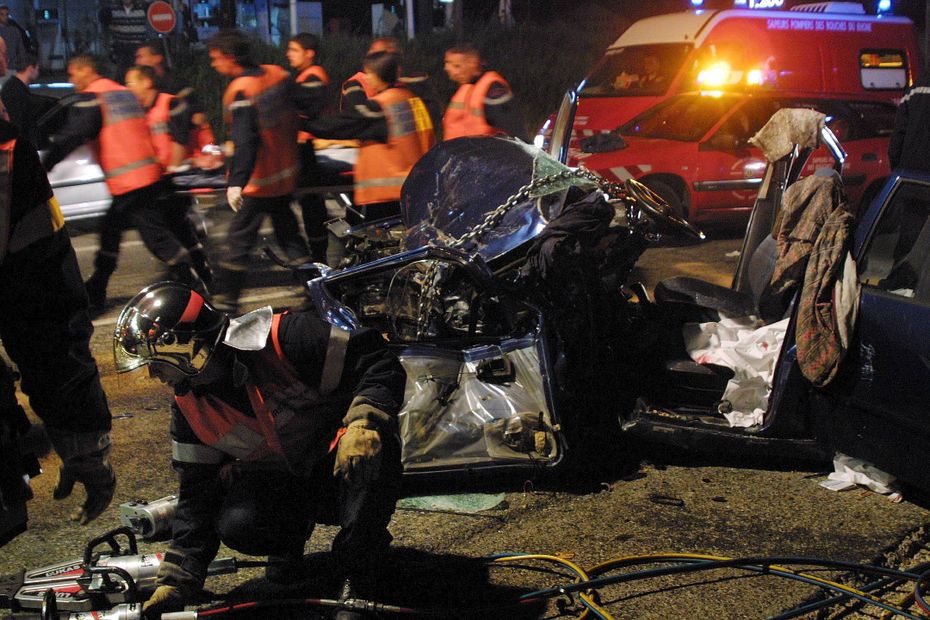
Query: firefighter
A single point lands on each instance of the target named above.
(395, 130)
(279, 421)
(169, 121)
(259, 109)
(45, 327)
(150, 54)
(356, 90)
(484, 104)
(312, 80)
(110, 115)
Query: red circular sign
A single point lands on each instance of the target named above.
(161, 16)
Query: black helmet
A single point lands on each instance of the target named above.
(167, 323)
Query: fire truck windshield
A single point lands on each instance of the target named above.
(637, 70)
(686, 117)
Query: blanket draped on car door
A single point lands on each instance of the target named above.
(813, 240)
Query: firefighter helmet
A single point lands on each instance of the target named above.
(167, 323)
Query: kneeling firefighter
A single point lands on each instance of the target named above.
(280, 421)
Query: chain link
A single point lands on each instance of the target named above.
(491, 220)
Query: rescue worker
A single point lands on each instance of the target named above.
(356, 90)
(110, 114)
(395, 131)
(484, 104)
(262, 119)
(911, 135)
(45, 327)
(150, 54)
(279, 421)
(312, 80)
(168, 118)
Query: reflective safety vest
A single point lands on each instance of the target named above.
(312, 71)
(382, 168)
(465, 114)
(276, 164)
(42, 221)
(362, 79)
(158, 117)
(124, 146)
(286, 430)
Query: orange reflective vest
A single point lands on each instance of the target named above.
(465, 114)
(285, 429)
(42, 221)
(312, 71)
(276, 164)
(363, 80)
(158, 117)
(124, 146)
(382, 168)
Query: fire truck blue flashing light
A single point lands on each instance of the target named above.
(884, 6)
(697, 3)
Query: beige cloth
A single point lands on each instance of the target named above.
(787, 127)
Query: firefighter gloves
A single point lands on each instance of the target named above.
(176, 586)
(358, 457)
(99, 483)
(234, 198)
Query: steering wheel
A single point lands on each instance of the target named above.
(659, 210)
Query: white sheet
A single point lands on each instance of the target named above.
(748, 347)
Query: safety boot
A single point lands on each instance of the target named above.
(96, 284)
(201, 264)
(286, 570)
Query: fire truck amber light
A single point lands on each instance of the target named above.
(716, 75)
(754, 77)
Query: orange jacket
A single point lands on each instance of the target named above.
(124, 146)
(382, 168)
(282, 427)
(465, 114)
(303, 76)
(275, 172)
(361, 79)
(157, 117)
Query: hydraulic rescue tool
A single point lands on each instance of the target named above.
(112, 579)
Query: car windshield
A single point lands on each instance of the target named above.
(636, 71)
(687, 117)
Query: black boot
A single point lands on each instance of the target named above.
(201, 264)
(286, 570)
(185, 274)
(96, 284)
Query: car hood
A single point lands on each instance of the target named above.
(458, 183)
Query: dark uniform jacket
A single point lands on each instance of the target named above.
(910, 140)
(371, 373)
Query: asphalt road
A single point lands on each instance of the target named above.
(629, 500)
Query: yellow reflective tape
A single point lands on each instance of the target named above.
(54, 209)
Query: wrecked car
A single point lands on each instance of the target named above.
(512, 310)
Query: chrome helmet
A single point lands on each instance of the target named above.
(167, 323)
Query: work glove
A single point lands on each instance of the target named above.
(176, 586)
(358, 456)
(234, 198)
(99, 483)
(163, 600)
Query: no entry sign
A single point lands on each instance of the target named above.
(161, 16)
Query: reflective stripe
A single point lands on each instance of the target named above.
(241, 441)
(456, 105)
(159, 128)
(274, 178)
(115, 172)
(195, 453)
(386, 182)
(335, 359)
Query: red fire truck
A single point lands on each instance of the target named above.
(826, 49)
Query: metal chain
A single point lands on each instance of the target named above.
(491, 220)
